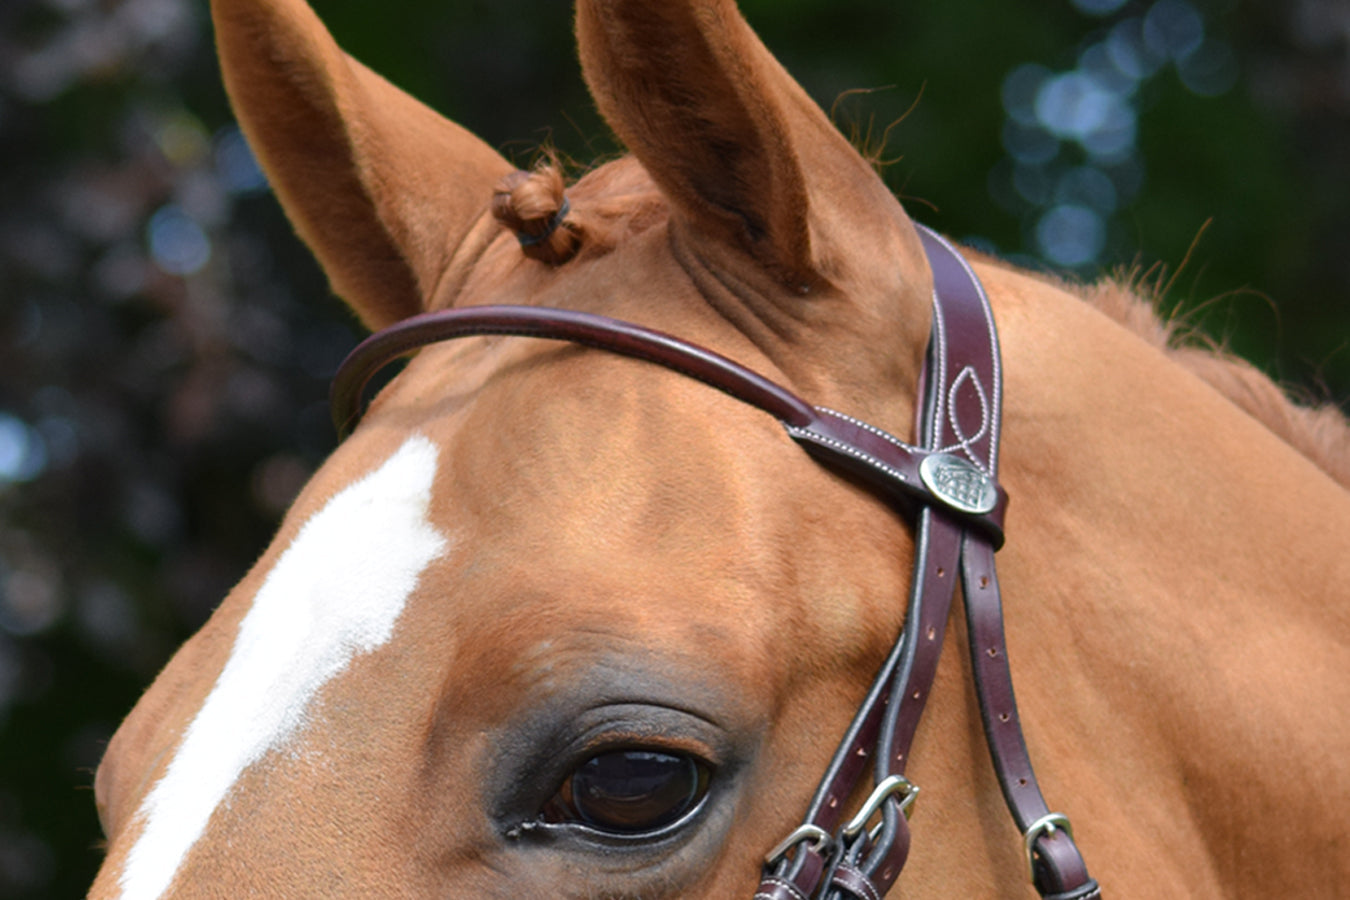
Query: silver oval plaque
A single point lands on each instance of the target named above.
(957, 483)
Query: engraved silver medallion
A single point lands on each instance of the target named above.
(958, 483)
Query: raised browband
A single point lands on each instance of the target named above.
(906, 473)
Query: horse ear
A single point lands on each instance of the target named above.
(732, 140)
(382, 188)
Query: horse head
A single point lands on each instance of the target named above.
(537, 574)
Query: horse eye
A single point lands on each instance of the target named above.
(630, 791)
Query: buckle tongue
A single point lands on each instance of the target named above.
(1045, 825)
(820, 842)
(893, 785)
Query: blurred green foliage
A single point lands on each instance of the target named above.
(167, 341)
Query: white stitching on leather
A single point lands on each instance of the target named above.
(997, 367)
(1095, 895)
(964, 443)
(939, 376)
(866, 885)
(847, 450)
(884, 435)
(781, 883)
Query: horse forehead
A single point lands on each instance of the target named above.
(596, 512)
(606, 497)
(554, 431)
(335, 593)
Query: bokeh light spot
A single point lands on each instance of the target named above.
(1129, 52)
(1029, 144)
(1074, 105)
(1098, 7)
(23, 454)
(1020, 87)
(182, 138)
(1097, 61)
(1173, 29)
(1087, 186)
(236, 165)
(30, 602)
(1113, 140)
(178, 244)
(1210, 71)
(1071, 235)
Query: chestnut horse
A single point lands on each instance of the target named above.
(533, 562)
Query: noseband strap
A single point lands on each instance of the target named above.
(949, 483)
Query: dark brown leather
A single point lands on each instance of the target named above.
(883, 461)
(879, 458)
(1089, 890)
(778, 889)
(601, 332)
(854, 883)
(959, 417)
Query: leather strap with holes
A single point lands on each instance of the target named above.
(949, 483)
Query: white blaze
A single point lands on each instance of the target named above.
(336, 591)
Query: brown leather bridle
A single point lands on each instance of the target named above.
(949, 483)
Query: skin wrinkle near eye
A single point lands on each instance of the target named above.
(335, 593)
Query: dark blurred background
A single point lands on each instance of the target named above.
(165, 341)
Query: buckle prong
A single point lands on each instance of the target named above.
(895, 784)
(1045, 825)
(820, 842)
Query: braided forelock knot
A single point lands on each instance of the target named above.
(534, 206)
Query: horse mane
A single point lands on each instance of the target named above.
(1319, 432)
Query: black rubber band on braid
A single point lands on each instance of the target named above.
(529, 240)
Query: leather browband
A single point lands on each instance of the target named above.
(950, 483)
(884, 461)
